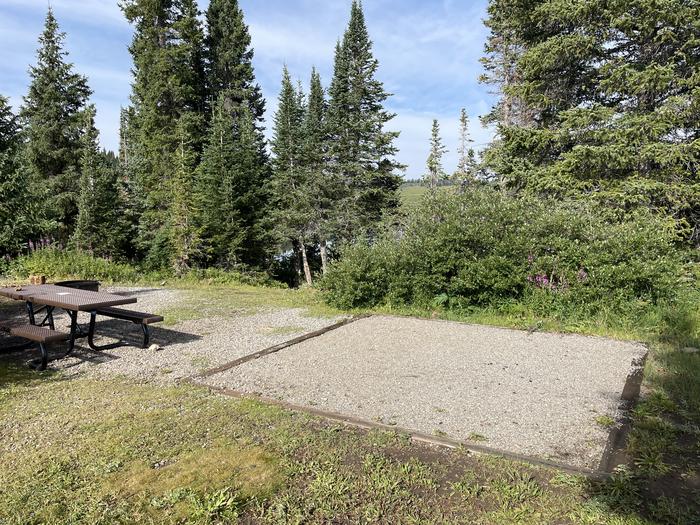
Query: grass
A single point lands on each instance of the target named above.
(206, 301)
(605, 421)
(84, 451)
(412, 193)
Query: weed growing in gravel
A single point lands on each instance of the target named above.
(605, 421)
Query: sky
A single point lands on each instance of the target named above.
(428, 52)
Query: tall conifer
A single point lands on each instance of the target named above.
(52, 116)
(291, 202)
(361, 150)
(231, 84)
(230, 59)
(435, 173)
(466, 157)
(167, 50)
(100, 222)
(184, 235)
(18, 212)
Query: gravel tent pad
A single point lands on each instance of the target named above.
(542, 395)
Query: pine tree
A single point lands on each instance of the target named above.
(52, 120)
(185, 241)
(362, 152)
(218, 218)
(231, 85)
(324, 186)
(291, 202)
(18, 213)
(466, 161)
(167, 50)
(611, 94)
(436, 173)
(99, 226)
(230, 59)
(229, 190)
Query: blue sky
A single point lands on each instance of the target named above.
(428, 50)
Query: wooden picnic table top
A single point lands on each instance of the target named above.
(64, 297)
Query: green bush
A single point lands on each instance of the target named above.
(484, 248)
(69, 264)
(57, 264)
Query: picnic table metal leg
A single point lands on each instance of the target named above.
(91, 335)
(30, 311)
(146, 335)
(73, 329)
(49, 317)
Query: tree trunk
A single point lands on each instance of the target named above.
(324, 257)
(305, 260)
(297, 260)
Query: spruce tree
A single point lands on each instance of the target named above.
(18, 212)
(231, 85)
(362, 151)
(185, 241)
(52, 117)
(230, 59)
(436, 173)
(100, 225)
(610, 91)
(218, 218)
(291, 202)
(229, 191)
(325, 188)
(167, 50)
(466, 161)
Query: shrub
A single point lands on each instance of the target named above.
(56, 263)
(483, 248)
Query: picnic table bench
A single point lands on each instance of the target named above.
(72, 300)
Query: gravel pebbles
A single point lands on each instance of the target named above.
(529, 393)
(185, 349)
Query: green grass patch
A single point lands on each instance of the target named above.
(83, 451)
(412, 193)
(208, 301)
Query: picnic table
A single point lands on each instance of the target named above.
(46, 298)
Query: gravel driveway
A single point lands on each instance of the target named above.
(534, 394)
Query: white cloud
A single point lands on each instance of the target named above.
(94, 12)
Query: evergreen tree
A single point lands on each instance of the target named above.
(324, 186)
(231, 82)
(436, 173)
(218, 218)
(52, 116)
(361, 152)
(229, 207)
(185, 240)
(230, 59)
(610, 89)
(18, 214)
(167, 50)
(292, 208)
(99, 226)
(502, 50)
(466, 162)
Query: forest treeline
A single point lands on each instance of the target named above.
(193, 184)
(598, 103)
